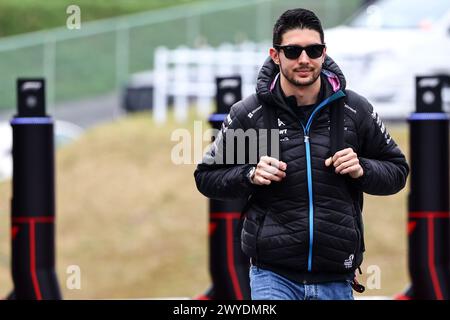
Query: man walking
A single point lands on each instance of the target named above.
(303, 228)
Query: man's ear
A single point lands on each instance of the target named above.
(275, 55)
(324, 55)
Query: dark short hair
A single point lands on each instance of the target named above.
(296, 19)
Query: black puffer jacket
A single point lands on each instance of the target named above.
(308, 227)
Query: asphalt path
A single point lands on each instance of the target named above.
(84, 113)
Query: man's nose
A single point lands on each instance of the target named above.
(303, 58)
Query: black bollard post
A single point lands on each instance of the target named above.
(429, 206)
(33, 196)
(228, 265)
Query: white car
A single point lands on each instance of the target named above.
(386, 45)
(64, 133)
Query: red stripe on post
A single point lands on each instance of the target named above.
(14, 232)
(41, 219)
(402, 296)
(212, 228)
(34, 277)
(225, 215)
(411, 226)
(431, 264)
(429, 214)
(230, 254)
(202, 297)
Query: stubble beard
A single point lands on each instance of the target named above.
(290, 77)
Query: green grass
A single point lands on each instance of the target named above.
(32, 15)
(137, 227)
(86, 67)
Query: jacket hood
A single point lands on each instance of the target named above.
(269, 74)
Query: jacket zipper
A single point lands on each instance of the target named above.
(306, 129)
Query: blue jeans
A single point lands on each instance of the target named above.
(267, 285)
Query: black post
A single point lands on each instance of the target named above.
(33, 196)
(228, 265)
(429, 206)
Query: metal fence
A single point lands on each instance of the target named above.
(99, 57)
(190, 74)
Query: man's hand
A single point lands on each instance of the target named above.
(346, 161)
(269, 169)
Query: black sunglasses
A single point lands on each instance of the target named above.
(293, 51)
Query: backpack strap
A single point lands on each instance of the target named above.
(270, 122)
(337, 126)
(270, 118)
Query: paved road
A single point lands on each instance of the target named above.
(84, 113)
